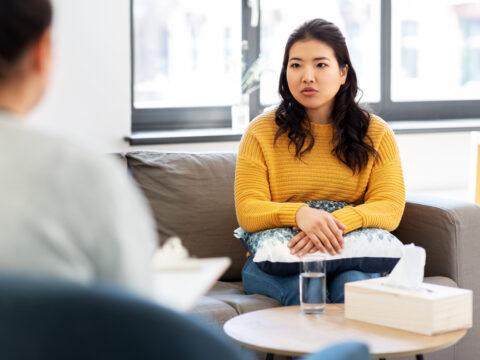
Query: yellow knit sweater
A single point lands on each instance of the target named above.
(271, 183)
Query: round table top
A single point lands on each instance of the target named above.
(286, 331)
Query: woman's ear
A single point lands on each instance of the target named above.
(42, 53)
(344, 73)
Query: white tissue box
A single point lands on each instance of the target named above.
(430, 310)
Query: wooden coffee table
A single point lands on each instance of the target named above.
(286, 331)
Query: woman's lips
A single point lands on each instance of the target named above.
(309, 92)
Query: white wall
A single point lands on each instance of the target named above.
(89, 98)
(435, 163)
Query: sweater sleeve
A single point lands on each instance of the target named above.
(384, 200)
(254, 206)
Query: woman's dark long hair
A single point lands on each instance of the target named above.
(22, 22)
(350, 121)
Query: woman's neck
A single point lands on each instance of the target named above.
(14, 98)
(322, 115)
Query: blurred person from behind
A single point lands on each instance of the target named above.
(65, 212)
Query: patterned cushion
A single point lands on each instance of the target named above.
(369, 250)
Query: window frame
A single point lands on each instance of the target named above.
(219, 117)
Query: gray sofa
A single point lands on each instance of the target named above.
(191, 195)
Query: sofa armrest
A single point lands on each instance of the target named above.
(449, 231)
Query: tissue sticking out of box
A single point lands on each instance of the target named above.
(173, 256)
(408, 273)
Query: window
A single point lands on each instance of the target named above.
(471, 54)
(188, 57)
(433, 56)
(409, 49)
(175, 62)
(359, 21)
(186, 62)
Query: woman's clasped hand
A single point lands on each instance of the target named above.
(320, 231)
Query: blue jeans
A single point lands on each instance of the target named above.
(286, 289)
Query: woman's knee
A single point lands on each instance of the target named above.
(283, 289)
(291, 292)
(252, 282)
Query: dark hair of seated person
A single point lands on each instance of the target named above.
(22, 22)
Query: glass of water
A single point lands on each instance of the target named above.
(312, 285)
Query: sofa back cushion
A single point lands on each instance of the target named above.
(192, 197)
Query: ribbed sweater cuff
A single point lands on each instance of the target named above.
(288, 211)
(349, 217)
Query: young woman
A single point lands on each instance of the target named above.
(319, 144)
(64, 212)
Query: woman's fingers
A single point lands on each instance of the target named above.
(296, 239)
(321, 227)
(340, 225)
(331, 232)
(338, 235)
(298, 242)
(341, 228)
(327, 244)
(300, 246)
(320, 244)
(306, 249)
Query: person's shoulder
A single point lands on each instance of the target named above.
(101, 170)
(378, 126)
(72, 175)
(382, 134)
(49, 149)
(264, 121)
(68, 162)
(72, 154)
(263, 126)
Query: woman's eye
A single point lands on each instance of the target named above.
(321, 65)
(294, 65)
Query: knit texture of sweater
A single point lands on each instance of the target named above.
(271, 184)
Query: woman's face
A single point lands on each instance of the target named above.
(314, 76)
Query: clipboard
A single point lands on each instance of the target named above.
(181, 285)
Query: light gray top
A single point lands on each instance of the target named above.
(67, 212)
